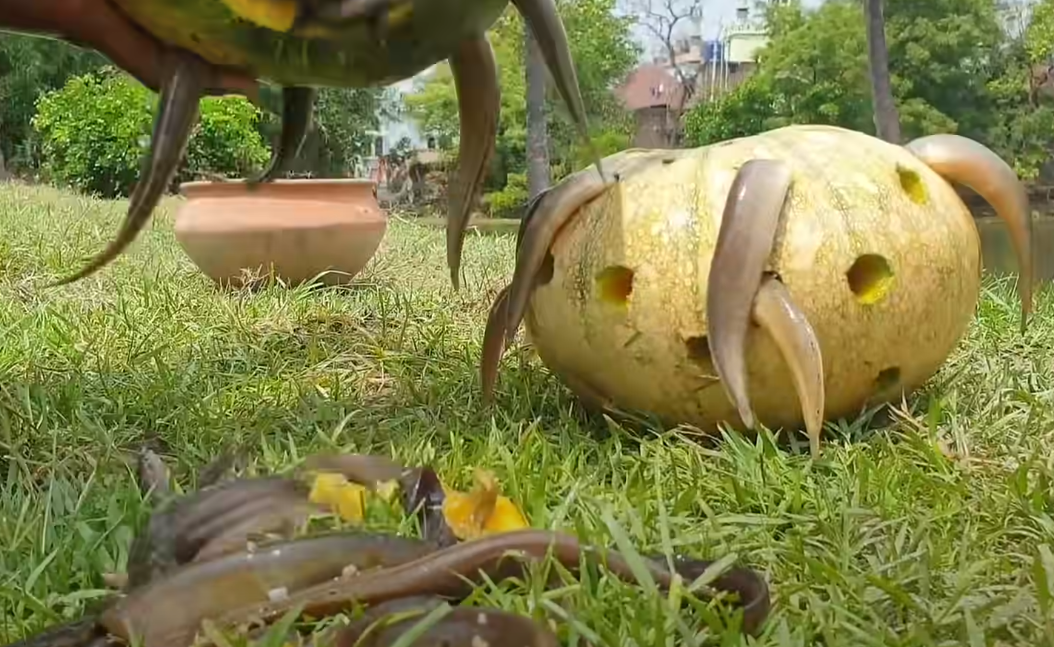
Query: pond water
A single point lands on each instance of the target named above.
(998, 251)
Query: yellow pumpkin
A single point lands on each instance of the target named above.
(851, 259)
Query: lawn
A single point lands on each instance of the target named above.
(935, 528)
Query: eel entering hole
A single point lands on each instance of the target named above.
(965, 161)
(744, 241)
(547, 213)
(780, 317)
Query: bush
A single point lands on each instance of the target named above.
(95, 130)
(747, 110)
(226, 141)
(510, 201)
(606, 142)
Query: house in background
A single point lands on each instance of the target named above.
(712, 67)
(392, 131)
(652, 93)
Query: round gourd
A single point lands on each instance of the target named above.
(875, 261)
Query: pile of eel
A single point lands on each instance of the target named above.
(205, 559)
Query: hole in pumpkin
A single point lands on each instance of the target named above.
(870, 278)
(698, 349)
(887, 379)
(615, 284)
(912, 184)
(545, 272)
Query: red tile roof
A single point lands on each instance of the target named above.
(649, 86)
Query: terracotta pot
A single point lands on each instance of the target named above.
(295, 228)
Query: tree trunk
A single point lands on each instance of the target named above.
(887, 121)
(538, 177)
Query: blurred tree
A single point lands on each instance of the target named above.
(30, 66)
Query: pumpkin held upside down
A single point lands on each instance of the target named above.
(643, 291)
(303, 45)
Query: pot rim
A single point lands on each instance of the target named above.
(337, 181)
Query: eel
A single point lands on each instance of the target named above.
(168, 611)
(777, 314)
(83, 632)
(448, 572)
(177, 533)
(475, 73)
(325, 574)
(737, 293)
(384, 624)
(744, 242)
(965, 161)
(546, 214)
(298, 108)
(177, 114)
(365, 469)
(173, 536)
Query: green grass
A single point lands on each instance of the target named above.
(936, 529)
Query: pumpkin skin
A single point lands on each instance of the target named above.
(352, 58)
(852, 197)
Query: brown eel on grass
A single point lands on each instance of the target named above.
(274, 580)
(322, 575)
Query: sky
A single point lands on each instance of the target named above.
(715, 12)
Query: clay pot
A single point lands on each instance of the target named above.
(295, 228)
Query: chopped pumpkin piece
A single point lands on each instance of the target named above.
(346, 498)
(482, 511)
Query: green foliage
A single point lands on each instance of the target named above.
(509, 201)
(29, 66)
(606, 142)
(953, 69)
(95, 130)
(226, 141)
(1022, 126)
(749, 109)
(817, 62)
(1039, 35)
(604, 52)
(92, 130)
(434, 105)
